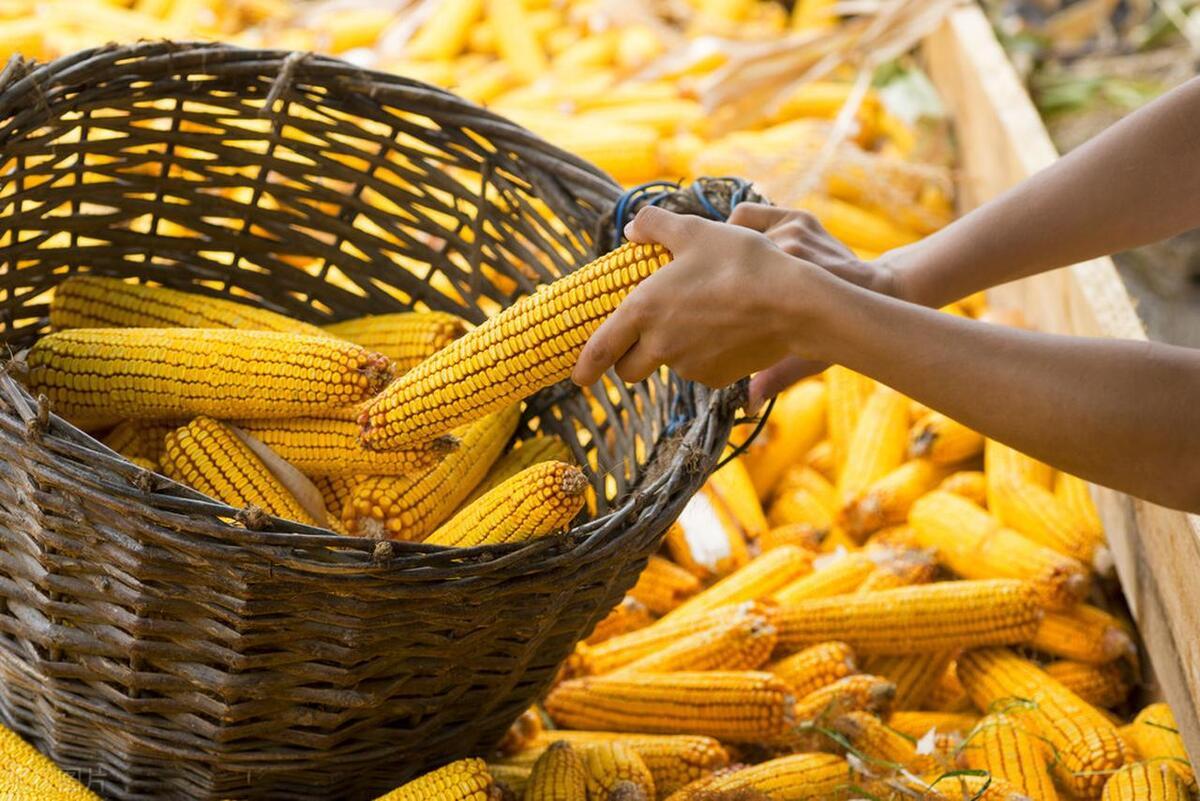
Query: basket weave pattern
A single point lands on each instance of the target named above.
(166, 646)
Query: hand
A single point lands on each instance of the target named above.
(729, 303)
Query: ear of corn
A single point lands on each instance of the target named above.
(732, 487)
(794, 427)
(914, 675)
(835, 575)
(706, 540)
(512, 781)
(627, 616)
(877, 445)
(1033, 511)
(823, 458)
(444, 33)
(1006, 749)
(887, 500)
(411, 507)
(1154, 735)
(663, 585)
(800, 777)
(943, 441)
(904, 570)
(27, 775)
(1083, 633)
(405, 338)
(172, 373)
(917, 724)
(1004, 464)
(558, 775)
(799, 535)
(970, 484)
(974, 545)
(335, 491)
(1145, 781)
(743, 643)
(800, 505)
(759, 579)
(1086, 743)
(524, 453)
(860, 693)
(848, 392)
(885, 748)
(801, 476)
(738, 706)
(1103, 686)
(912, 620)
(530, 345)
(211, 458)
(464, 780)
(1074, 494)
(817, 666)
(948, 694)
(139, 439)
(539, 500)
(89, 301)
(330, 447)
(610, 764)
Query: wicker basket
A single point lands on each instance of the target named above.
(161, 645)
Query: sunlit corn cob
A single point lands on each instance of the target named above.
(411, 507)
(1006, 749)
(1086, 743)
(627, 616)
(1100, 685)
(942, 440)
(663, 585)
(1145, 781)
(858, 227)
(796, 424)
(406, 338)
(491, 367)
(511, 780)
(887, 500)
(948, 694)
(444, 33)
(835, 575)
(760, 579)
(608, 764)
(906, 569)
(211, 458)
(957, 786)
(169, 373)
(27, 775)
(859, 693)
(523, 732)
(914, 675)
(1033, 511)
(743, 643)
(974, 545)
(822, 458)
(918, 724)
(799, 777)
(705, 540)
(817, 666)
(739, 706)
(88, 301)
(674, 760)
(335, 491)
(970, 484)
(1074, 494)
(799, 535)
(329, 447)
(898, 537)
(516, 42)
(464, 780)
(877, 444)
(733, 489)
(911, 620)
(1002, 463)
(1083, 633)
(538, 501)
(1154, 735)
(800, 504)
(848, 392)
(801, 476)
(884, 747)
(139, 439)
(524, 453)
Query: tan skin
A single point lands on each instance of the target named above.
(774, 295)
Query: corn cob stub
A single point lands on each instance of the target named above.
(528, 346)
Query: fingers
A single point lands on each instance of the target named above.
(758, 216)
(778, 377)
(607, 345)
(673, 231)
(637, 364)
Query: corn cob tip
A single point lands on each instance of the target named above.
(627, 791)
(446, 443)
(379, 372)
(573, 482)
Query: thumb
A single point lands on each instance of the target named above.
(778, 377)
(671, 230)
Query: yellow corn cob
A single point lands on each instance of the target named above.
(814, 14)
(1154, 735)
(663, 585)
(973, 544)
(848, 392)
(948, 694)
(464, 780)
(629, 153)
(1074, 494)
(705, 540)
(1032, 511)
(466, 379)
(887, 500)
(914, 675)
(901, 537)
(796, 424)
(538, 501)
(444, 33)
(1004, 463)
(593, 52)
(817, 666)
(1083, 633)
(800, 535)
(912, 620)
(877, 445)
(516, 41)
(1145, 781)
(761, 578)
(800, 505)
(732, 487)
(410, 507)
(822, 458)
(524, 453)
(210, 457)
(608, 764)
(29, 776)
(944, 441)
(743, 643)
(1099, 685)
(802, 476)
(858, 227)
(666, 115)
(851, 694)
(88, 301)
(1087, 745)
(965, 787)
(169, 373)
(335, 491)
(799, 777)
(627, 616)
(406, 338)
(523, 732)
(328, 447)
(970, 484)
(738, 706)
(674, 760)
(819, 99)
(840, 575)
(919, 724)
(909, 568)
(138, 439)
(1002, 746)
(883, 746)
(511, 780)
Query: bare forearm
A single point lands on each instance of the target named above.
(1136, 183)
(1120, 413)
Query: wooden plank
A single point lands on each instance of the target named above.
(1001, 141)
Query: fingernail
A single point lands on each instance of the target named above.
(628, 228)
